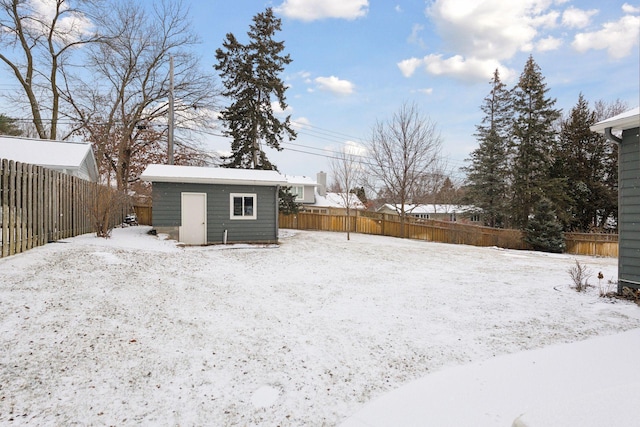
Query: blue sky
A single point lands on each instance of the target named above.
(357, 61)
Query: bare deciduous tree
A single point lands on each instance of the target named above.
(124, 110)
(404, 152)
(37, 39)
(347, 169)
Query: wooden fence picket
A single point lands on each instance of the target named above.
(40, 205)
(445, 232)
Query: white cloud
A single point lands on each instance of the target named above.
(495, 29)
(427, 91)
(471, 69)
(409, 66)
(549, 43)
(71, 25)
(415, 38)
(354, 148)
(300, 123)
(311, 10)
(577, 18)
(275, 107)
(335, 85)
(627, 8)
(618, 38)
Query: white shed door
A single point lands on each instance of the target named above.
(193, 230)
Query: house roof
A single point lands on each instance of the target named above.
(428, 208)
(300, 180)
(44, 152)
(627, 120)
(59, 155)
(337, 200)
(208, 175)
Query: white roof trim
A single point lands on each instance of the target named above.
(627, 120)
(207, 175)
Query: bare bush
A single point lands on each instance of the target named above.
(580, 275)
(106, 206)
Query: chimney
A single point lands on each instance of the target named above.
(321, 179)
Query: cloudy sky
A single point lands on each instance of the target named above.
(357, 61)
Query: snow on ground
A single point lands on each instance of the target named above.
(136, 330)
(590, 383)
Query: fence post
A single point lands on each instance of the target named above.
(4, 192)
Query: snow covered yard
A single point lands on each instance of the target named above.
(135, 330)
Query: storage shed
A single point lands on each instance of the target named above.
(628, 124)
(201, 205)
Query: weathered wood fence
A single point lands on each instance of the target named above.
(445, 232)
(39, 205)
(143, 213)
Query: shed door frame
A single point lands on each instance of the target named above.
(193, 218)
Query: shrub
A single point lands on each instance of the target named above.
(544, 231)
(580, 275)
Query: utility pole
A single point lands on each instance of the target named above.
(171, 114)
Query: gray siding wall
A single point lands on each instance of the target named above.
(629, 210)
(167, 211)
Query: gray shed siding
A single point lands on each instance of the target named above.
(167, 211)
(629, 210)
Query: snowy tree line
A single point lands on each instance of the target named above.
(531, 156)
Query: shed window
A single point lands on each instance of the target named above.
(243, 206)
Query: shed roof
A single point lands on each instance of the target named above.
(211, 175)
(627, 120)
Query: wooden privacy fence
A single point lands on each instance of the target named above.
(605, 245)
(39, 205)
(143, 213)
(445, 232)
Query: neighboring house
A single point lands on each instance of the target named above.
(72, 158)
(335, 204)
(201, 205)
(628, 192)
(303, 187)
(314, 198)
(439, 212)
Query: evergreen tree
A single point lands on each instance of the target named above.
(250, 75)
(8, 126)
(581, 158)
(533, 138)
(544, 230)
(605, 110)
(287, 201)
(488, 174)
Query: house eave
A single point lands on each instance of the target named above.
(624, 121)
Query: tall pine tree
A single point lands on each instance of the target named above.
(581, 158)
(488, 174)
(533, 138)
(250, 75)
